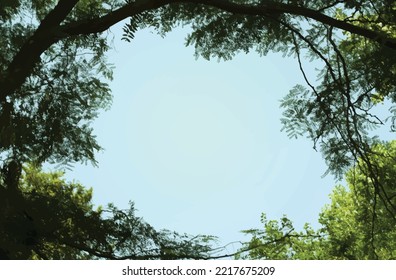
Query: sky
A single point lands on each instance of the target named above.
(197, 145)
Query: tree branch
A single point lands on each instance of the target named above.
(29, 54)
(263, 9)
(51, 31)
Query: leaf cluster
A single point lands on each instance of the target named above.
(49, 117)
(50, 218)
(354, 225)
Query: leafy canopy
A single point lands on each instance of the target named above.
(49, 116)
(53, 75)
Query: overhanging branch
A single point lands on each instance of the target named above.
(264, 9)
(51, 31)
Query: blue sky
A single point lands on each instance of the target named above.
(197, 144)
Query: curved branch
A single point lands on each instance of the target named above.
(51, 31)
(263, 9)
(29, 54)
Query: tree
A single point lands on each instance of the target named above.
(54, 219)
(355, 225)
(53, 71)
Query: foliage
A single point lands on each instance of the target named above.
(355, 225)
(49, 117)
(54, 73)
(53, 219)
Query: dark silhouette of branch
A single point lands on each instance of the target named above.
(51, 31)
